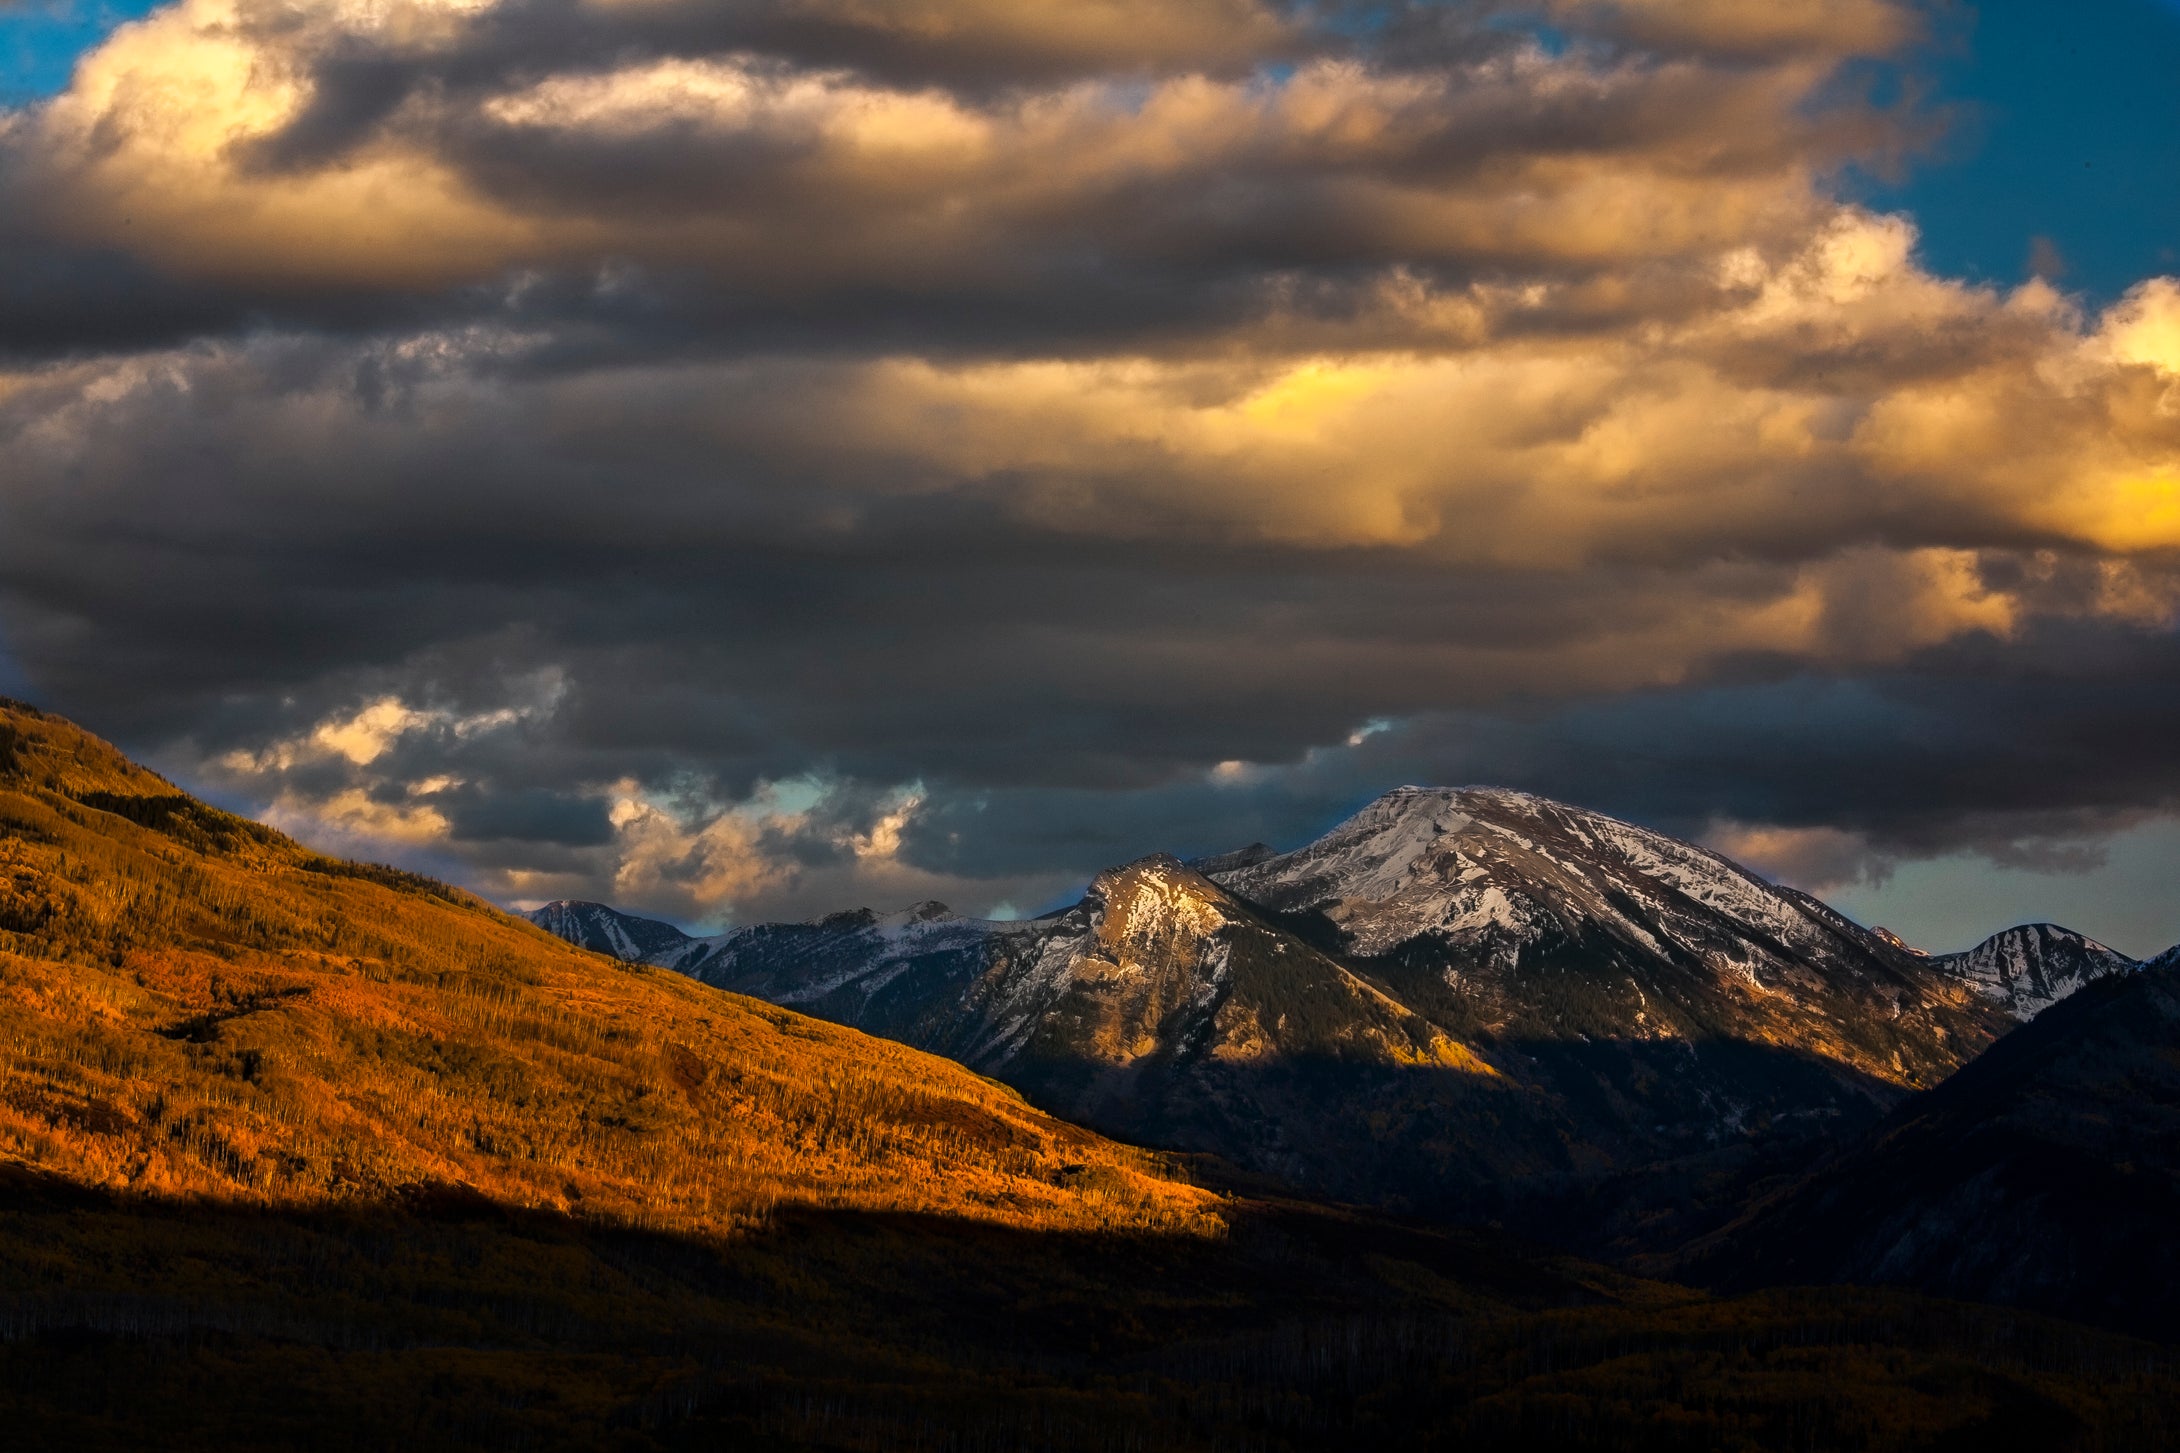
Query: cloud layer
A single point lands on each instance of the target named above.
(756, 457)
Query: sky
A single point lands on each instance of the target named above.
(742, 460)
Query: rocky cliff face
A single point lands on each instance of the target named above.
(1474, 1003)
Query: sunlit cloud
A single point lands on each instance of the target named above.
(720, 456)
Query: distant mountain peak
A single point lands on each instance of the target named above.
(2028, 968)
(1227, 862)
(606, 930)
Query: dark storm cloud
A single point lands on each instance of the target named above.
(2007, 751)
(760, 457)
(562, 163)
(358, 82)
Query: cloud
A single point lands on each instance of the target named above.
(760, 457)
(1753, 28)
(338, 159)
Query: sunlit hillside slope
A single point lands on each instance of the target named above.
(192, 1004)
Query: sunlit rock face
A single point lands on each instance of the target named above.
(1473, 1003)
(2028, 969)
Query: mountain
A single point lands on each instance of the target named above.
(1540, 922)
(303, 1152)
(2028, 969)
(1164, 1004)
(605, 930)
(1518, 999)
(2044, 1175)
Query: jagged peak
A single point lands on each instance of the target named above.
(1154, 891)
(2031, 966)
(1162, 868)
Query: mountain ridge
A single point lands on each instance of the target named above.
(606, 930)
(1523, 997)
(200, 1005)
(2045, 1174)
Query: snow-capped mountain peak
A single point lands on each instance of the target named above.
(2027, 969)
(607, 930)
(1504, 869)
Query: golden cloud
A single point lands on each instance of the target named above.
(1577, 342)
(168, 145)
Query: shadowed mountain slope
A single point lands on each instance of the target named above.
(1465, 1003)
(2046, 1175)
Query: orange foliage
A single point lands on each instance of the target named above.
(194, 1005)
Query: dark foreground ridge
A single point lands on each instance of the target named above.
(2046, 1175)
(454, 1322)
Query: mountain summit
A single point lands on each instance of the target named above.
(2028, 969)
(1526, 917)
(607, 930)
(1522, 1001)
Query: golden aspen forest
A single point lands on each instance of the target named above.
(198, 1007)
(298, 1151)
